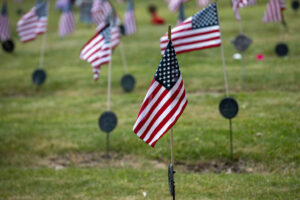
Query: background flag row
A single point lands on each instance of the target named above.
(4, 23)
(67, 21)
(33, 22)
(129, 19)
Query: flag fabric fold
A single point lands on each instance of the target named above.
(129, 19)
(200, 31)
(67, 21)
(33, 22)
(4, 23)
(164, 102)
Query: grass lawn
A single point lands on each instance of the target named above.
(51, 146)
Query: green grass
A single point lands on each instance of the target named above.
(56, 127)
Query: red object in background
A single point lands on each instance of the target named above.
(156, 19)
(260, 57)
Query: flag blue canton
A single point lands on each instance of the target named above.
(106, 34)
(41, 9)
(181, 15)
(130, 5)
(4, 9)
(206, 17)
(168, 71)
(67, 7)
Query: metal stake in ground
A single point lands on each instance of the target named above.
(108, 120)
(229, 108)
(127, 81)
(39, 75)
(242, 43)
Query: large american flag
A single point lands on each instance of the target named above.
(273, 11)
(100, 10)
(4, 23)
(34, 22)
(97, 50)
(200, 31)
(164, 101)
(67, 21)
(129, 19)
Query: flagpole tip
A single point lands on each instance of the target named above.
(169, 32)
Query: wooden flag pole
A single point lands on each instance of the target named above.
(171, 136)
(172, 153)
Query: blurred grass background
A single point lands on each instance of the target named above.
(44, 133)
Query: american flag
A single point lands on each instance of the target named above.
(4, 24)
(273, 11)
(181, 16)
(200, 31)
(100, 10)
(237, 4)
(97, 50)
(164, 101)
(34, 22)
(174, 4)
(67, 21)
(203, 3)
(129, 19)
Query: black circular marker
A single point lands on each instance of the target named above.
(228, 107)
(122, 29)
(8, 46)
(128, 82)
(171, 179)
(107, 121)
(295, 5)
(19, 11)
(39, 76)
(281, 49)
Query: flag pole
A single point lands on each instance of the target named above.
(171, 136)
(243, 59)
(123, 57)
(223, 58)
(42, 54)
(109, 69)
(109, 86)
(226, 87)
(172, 153)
